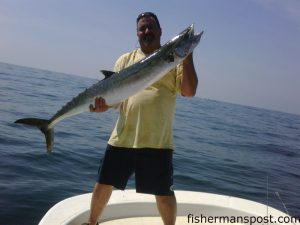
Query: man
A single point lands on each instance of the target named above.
(142, 140)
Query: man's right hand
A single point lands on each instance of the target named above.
(100, 105)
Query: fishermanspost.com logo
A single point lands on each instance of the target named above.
(270, 219)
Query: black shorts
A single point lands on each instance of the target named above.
(153, 169)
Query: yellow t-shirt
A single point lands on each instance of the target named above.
(146, 118)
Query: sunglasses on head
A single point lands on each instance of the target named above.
(148, 14)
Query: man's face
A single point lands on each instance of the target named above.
(148, 32)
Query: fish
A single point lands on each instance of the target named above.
(118, 86)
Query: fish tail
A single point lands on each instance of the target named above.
(43, 125)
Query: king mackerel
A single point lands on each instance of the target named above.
(116, 87)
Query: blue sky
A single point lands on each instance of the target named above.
(249, 54)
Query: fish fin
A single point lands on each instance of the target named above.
(107, 73)
(43, 126)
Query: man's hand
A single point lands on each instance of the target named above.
(100, 105)
(189, 80)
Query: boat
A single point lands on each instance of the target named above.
(131, 208)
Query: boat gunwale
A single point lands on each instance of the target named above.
(130, 204)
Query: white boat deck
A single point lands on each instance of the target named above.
(129, 207)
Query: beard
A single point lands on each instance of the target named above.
(148, 39)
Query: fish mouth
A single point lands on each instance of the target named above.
(190, 32)
(188, 42)
(196, 37)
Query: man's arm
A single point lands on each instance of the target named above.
(189, 80)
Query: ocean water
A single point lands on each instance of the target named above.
(220, 147)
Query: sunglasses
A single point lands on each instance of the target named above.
(148, 14)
